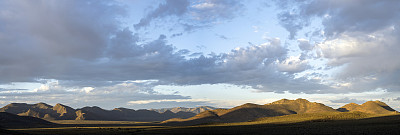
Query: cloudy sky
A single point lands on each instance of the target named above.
(155, 53)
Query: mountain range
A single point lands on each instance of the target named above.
(250, 111)
(63, 112)
(190, 116)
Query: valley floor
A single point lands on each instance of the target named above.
(309, 124)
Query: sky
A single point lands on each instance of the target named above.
(144, 54)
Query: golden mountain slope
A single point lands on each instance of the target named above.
(250, 111)
(372, 107)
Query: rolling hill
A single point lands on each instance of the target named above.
(373, 107)
(248, 112)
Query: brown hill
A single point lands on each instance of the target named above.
(250, 111)
(203, 117)
(63, 112)
(299, 106)
(372, 107)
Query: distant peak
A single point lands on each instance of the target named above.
(206, 107)
(249, 105)
(121, 109)
(42, 105)
(351, 105)
(92, 108)
(58, 104)
(302, 100)
(168, 112)
(14, 104)
(287, 101)
(376, 102)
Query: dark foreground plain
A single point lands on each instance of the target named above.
(323, 123)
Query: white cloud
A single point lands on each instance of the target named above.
(293, 64)
(366, 58)
(361, 40)
(204, 5)
(87, 89)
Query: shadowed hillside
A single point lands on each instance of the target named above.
(9, 120)
(41, 110)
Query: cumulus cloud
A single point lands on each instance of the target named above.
(362, 40)
(123, 58)
(365, 58)
(292, 65)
